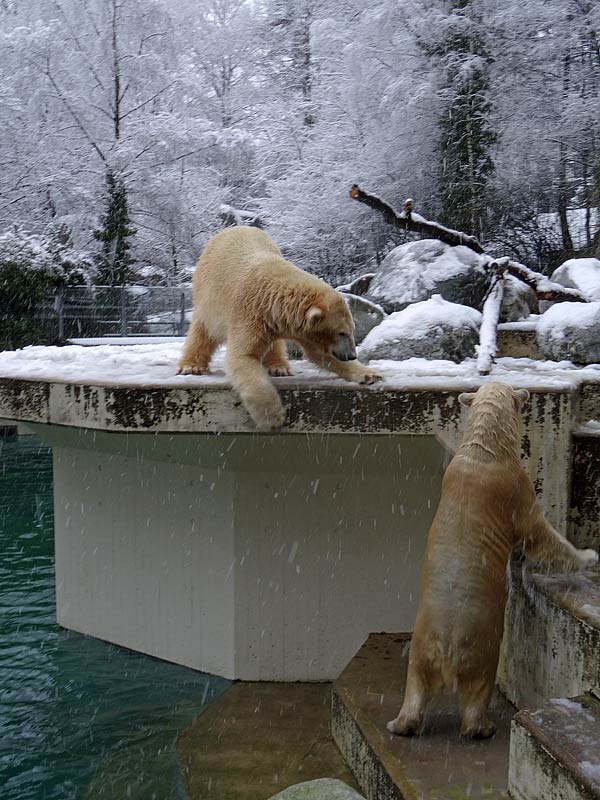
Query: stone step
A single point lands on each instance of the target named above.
(436, 765)
(555, 751)
(551, 645)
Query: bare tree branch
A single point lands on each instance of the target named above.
(407, 221)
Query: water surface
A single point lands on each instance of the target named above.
(79, 718)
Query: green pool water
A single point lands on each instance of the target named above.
(79, 718)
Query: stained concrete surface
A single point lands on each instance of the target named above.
(554, 751)
(439, 764)
(258, 739)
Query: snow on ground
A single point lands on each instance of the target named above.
(155, 364)
(528, 324)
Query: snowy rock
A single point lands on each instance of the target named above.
(416, 271)
(569, 332)
(519, 300)
(321, 789)
(580, 273)
(366, 315)
(433, 329)
(359, 286)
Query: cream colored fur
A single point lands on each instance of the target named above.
(247, 295)
(487, 509)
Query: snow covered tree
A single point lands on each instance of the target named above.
(455, 40)
(114, 262)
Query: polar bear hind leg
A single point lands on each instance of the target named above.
(198, 350)
(475, 696)
(416, 697)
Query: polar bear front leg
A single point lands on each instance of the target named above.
(251, 381)
(543, 544)
(349, 370)
(275, 359)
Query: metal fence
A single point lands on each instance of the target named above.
(99, 311)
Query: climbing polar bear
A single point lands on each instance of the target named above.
(487, 508)
(247, 295)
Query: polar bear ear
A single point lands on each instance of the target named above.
(522, 395)
(466, 398)
(313, 315)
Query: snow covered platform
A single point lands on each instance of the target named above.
(438, 764)
(183, 533)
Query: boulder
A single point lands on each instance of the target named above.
(569, 332)
(518, 302)
(417, 270)
(434, 329)
(359, 286)
(321, 789)
(580, 273)
(366, 315)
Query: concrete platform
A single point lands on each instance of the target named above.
(183, 533)
(438, 765)
(555, 751)
(258, 739)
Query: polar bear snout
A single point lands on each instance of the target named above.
(344, 348)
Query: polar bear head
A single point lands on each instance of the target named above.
(494, 419)
(329, 326)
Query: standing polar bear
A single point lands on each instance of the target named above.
(487, 508)
(248, 295)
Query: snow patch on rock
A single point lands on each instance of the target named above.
(433, 329)
(366, 315)
(582, 274)
(569, 331)
(415, 271)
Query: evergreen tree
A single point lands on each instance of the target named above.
(114, 261)
(466, 135)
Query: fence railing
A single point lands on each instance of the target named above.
(98, 311)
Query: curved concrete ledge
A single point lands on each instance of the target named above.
(312, 407)
(215, 408)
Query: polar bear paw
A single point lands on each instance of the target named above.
(279, 371)
(405, 725)
(269, 419)
(192, 369)
(369, 376)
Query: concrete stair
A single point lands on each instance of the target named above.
(551, 649)
(551, 645)
(555, 751)
(438, 765)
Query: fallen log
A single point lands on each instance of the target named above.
(488, 333)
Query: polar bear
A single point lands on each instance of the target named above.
(487, 508)
(248, 295)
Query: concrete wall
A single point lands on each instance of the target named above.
(144, 556)
(249, 565)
